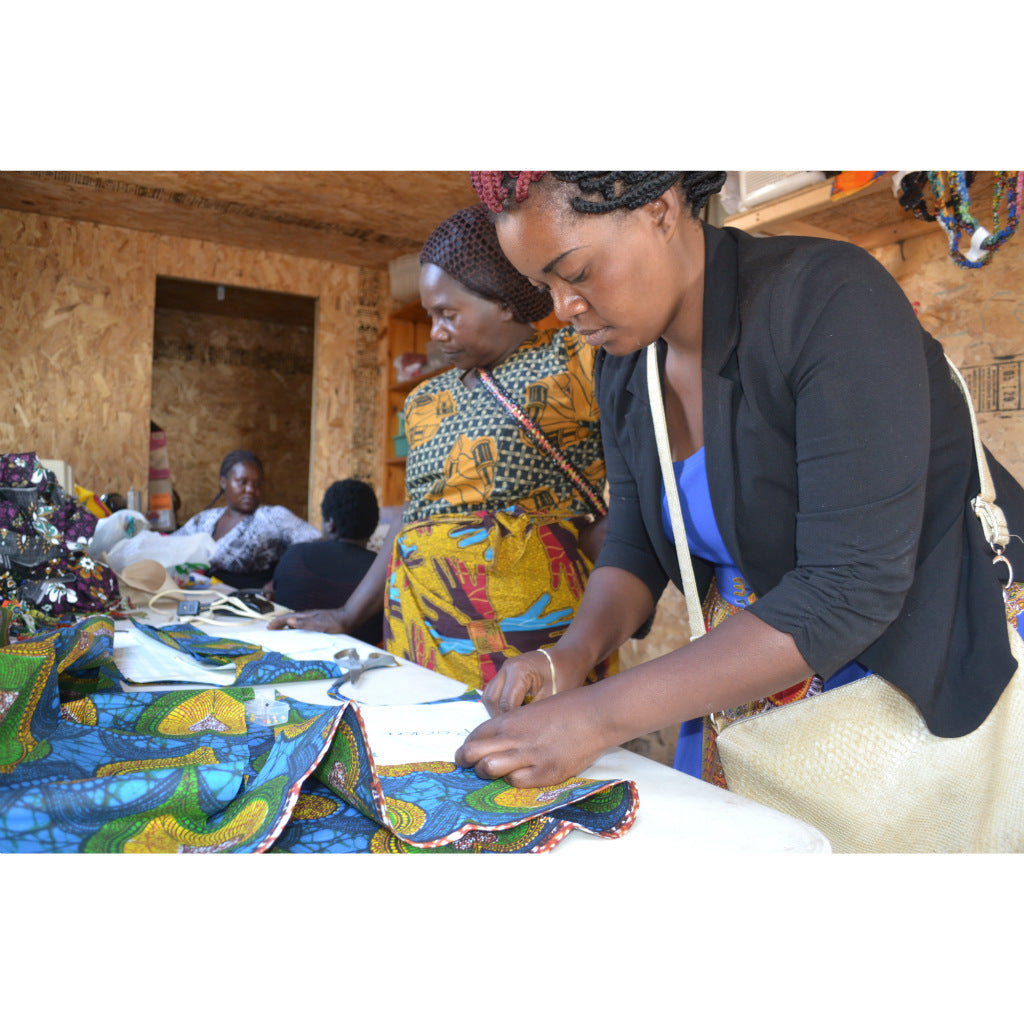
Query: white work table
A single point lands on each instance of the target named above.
(677, 814)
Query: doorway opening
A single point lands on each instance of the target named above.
(233, 368)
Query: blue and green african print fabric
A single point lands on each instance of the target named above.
(254, 666)
(87, 767)
(351, 804)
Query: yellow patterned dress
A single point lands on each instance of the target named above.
(488, 564)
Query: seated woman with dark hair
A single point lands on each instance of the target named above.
(251, 537)
(323, 573)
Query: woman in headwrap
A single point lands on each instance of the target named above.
(504, 477)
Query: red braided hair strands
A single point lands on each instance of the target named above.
(599, 191)
(493, 186)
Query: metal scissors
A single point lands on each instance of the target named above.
(355, 666)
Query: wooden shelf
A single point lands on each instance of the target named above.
(870, 217)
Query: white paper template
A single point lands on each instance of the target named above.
(409, 733)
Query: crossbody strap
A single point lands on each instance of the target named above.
(993, 522)
(675, 510)
(990, 515)
(546, 445)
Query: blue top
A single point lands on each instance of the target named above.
(705, 541)
(702, 534)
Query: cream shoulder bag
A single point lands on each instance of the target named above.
(858, 762)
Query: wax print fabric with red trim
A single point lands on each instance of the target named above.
(86, 767)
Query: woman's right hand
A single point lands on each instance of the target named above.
(320, 620)
(540, 745)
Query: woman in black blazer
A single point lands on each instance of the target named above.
(839, 464)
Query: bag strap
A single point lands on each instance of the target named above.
(675, 510)
(990, 515)
(993, 522)
(546, 445)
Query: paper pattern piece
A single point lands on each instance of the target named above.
(402, 734)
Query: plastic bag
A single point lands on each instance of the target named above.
(115, 528)
(169, 551)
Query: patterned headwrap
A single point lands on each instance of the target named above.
(465, 246)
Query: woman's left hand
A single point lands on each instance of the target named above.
(518, 681)
(541, 744)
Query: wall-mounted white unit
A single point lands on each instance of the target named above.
(744, 190)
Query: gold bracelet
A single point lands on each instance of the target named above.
(551, 664)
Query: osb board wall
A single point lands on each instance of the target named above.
(358, 218)
(76, 324)
(221, 383)
(77, 318)
(978, 316)
(346, 366)
(366, 361)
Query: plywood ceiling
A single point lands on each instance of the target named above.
(366, 218)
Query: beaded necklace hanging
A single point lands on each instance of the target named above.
(953, 211)
(1013, 186)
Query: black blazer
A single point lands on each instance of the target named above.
(840, 463)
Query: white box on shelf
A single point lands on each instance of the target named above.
(746, 189)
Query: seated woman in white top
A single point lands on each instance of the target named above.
(251, 537)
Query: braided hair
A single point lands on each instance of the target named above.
(600, 191)
(352, 506)
(232, 459)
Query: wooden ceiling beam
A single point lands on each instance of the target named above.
(362, 218)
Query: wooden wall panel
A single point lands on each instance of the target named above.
(978, 316)
(346, 378)
(340, 403)
(357, 218)
(221, 383)
(76, 322)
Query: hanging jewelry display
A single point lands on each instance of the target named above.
(952, 209)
